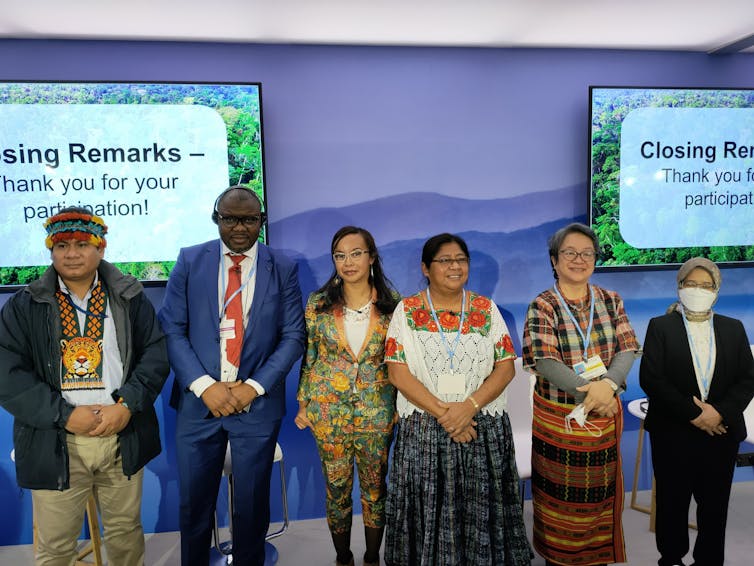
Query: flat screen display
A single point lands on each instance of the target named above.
(147, 157)
(671, 175)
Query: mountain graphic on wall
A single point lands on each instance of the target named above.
(507, 238)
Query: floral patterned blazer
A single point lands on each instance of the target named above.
(332, 373)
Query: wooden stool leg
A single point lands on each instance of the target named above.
(653, 508)
(635, 485)
(95, 544)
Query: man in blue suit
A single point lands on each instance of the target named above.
(234, 323)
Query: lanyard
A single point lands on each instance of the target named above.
(703, 379)
(585, 338)
(451, 351)
(223, 285)
(78, 308)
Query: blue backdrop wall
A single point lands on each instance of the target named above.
(407, 142)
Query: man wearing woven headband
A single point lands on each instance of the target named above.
(82, 360)
(234, 322)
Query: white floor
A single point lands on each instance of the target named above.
(307, 543)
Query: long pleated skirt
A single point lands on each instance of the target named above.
(452, 504)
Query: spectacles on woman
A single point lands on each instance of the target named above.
(448, 261)
(355, 255)
(697, 285)
(586, 255)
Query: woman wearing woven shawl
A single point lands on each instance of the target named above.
(698, 373)
(580, 344)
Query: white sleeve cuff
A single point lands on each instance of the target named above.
(201, 384)
(256, 385)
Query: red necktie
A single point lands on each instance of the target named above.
(234, 310)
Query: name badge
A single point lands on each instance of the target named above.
(451, 384)
(591, 369)
(227, 329)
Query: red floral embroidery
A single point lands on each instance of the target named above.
(431, 326)
(412, 302)
(448, 320)
(481, 303)
(465, 329)
(391, 347)
(420, 317)
(477, 319)
(508, 344)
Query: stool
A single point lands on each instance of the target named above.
(94, 546)
(226, 548)
(638, 408)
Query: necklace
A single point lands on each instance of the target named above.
(357, 315)
(362, 299)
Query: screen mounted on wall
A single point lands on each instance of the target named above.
(671, 175)
(149, 158)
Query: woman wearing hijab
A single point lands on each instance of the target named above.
(698, 373)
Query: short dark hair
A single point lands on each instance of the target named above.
(433, 245)
(76, 209)
(333, 288)
(556, 240)
(245, 189)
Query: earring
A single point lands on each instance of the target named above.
(336, 281)
(371, 271)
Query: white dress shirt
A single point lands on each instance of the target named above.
(229, 372)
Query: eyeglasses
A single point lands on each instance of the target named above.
(587, 255)
(696, 285)
(355, 255)
(448, 261)
(232, 221)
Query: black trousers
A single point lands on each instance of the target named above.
(691, 463)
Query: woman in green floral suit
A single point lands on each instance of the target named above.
(344, 394)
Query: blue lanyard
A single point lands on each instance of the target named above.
(224, 285)
(451, 351)
(585, 338)
(703, 378)
(78, 308)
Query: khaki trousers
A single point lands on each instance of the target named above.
(95, 466)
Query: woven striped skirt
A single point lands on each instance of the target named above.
(453, 504)
(577, 487)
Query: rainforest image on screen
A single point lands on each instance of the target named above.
(239, 107)
(609, 108)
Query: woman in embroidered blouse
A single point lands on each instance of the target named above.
(580, 344)
(453, 496)
(344, 394)
(698, 373)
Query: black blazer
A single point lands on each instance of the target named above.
(668, 378)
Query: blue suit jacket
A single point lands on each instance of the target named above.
(273, 340)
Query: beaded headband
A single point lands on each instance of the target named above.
(75, 226)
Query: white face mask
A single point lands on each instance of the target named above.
(697, 299)
(579, 415)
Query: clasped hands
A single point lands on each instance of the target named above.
(600, 398)
(224, 398)
(457, 418)
(98, 420)
(710, 421)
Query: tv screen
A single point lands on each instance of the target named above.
(671, 175)
(147, 157)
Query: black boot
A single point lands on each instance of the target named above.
(342, 542)
(373, 538)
